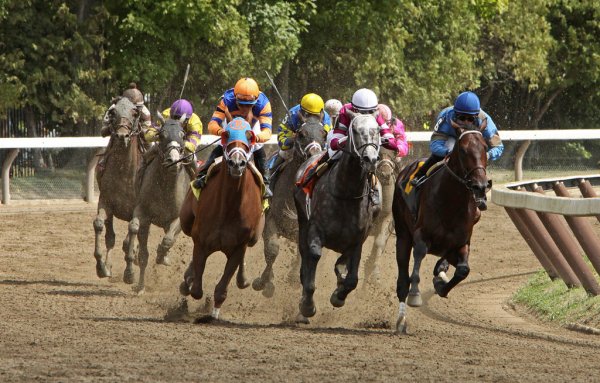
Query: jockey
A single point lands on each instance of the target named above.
(247, 101)
(311, 105)
(193, 133)
(397, 128)
(137, 98)
(333, 106)
(466, 113)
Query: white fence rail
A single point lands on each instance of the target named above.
(13, 145)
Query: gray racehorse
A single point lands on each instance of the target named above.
(162, 191)
(281, 219)
(116, 174)
(339, 214)
(388, 168)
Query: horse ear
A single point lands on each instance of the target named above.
(352, 114)
(182, 118)
(160, 117)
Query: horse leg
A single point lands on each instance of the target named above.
(419, 252)
(102, 271)
(171, 233)
(440, 269)
(234, 260)
(294, 267)
(143, 254)
(371, 266)
(348, 282)
(134, 227)
(198, 265)
(462, 271)
(135, 248)
(403, 247)
(310, 250)
(271, 249)
(241, 280)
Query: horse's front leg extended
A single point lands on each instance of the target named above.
(134, 228)
(171, 233)
(198, 265)
(403, 248)
(310, 249)
(234, 260)
(271, 249)
(350, 280)
(143, 254)
(419, 252)
(462, 271)
(102, 218)
(371, 264)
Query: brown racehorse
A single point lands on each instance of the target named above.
(227, 217)
(443, 223)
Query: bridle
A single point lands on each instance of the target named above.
(304, 151)
(357, 152)
(466, 179)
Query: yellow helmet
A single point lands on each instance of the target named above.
(312, 103)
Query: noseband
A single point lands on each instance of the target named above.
(354, 151)
(304, 151)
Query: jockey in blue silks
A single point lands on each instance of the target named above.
(467, 114)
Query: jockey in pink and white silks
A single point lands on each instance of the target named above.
(364, 101)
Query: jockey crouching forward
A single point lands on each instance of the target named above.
(137, 98)
(364, 101)
(467, 114)
(247, 101)
(192, 127)
(311, 105)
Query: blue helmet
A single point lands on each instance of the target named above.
(467, 103)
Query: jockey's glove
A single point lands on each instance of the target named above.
(190, 147)
(342, 141)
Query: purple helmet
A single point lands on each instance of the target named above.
(181, 107)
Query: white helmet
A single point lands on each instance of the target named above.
(364, 100)
(332, 107)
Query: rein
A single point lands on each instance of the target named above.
(313, 144)
(465, 179)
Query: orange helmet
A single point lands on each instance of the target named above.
(246, 91)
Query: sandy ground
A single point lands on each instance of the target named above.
(59, 322)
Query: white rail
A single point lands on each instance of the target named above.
(13, 145)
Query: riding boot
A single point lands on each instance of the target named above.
(274, 169)
(260, 161)
(422, 172)
(200, 180)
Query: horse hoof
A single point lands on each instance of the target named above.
(184, 289)
(102, 271)
(269, 290)
(438, 285)
(308, 310)
(301, 319)
(335, 301)
(139, 290)
(197, 294)
(401, 325)
(258, 284)
(242, 284)
(163, 260)
(128, 277)
(414, 300)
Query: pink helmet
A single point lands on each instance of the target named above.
(384, 111)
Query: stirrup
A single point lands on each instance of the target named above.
(417, 181)
(268, 193)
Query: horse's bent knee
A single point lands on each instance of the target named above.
(167, 242)
(462, 272)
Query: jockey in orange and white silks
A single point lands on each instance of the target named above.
(247, 101)
(364, 101)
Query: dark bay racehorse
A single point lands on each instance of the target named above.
(227, 217)
(339, 214)
(447, 212)
(388, 168)
(160, 198)
(116, 174)
(281, 219)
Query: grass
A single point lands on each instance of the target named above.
(552, 301)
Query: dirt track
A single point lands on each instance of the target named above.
(59, 322)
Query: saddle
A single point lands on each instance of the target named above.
(311, 174)
(411, 193)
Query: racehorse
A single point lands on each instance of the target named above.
(161, 195)
(227, 217)
(115, 175)
(281, 219)
(339, 213)
(388, 168)
(443, 221)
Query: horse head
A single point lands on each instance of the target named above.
(468, 162)
(363, 140)
(310, 138)
(388, 165)
(171, 141)
(238, 139)
(124, 119)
